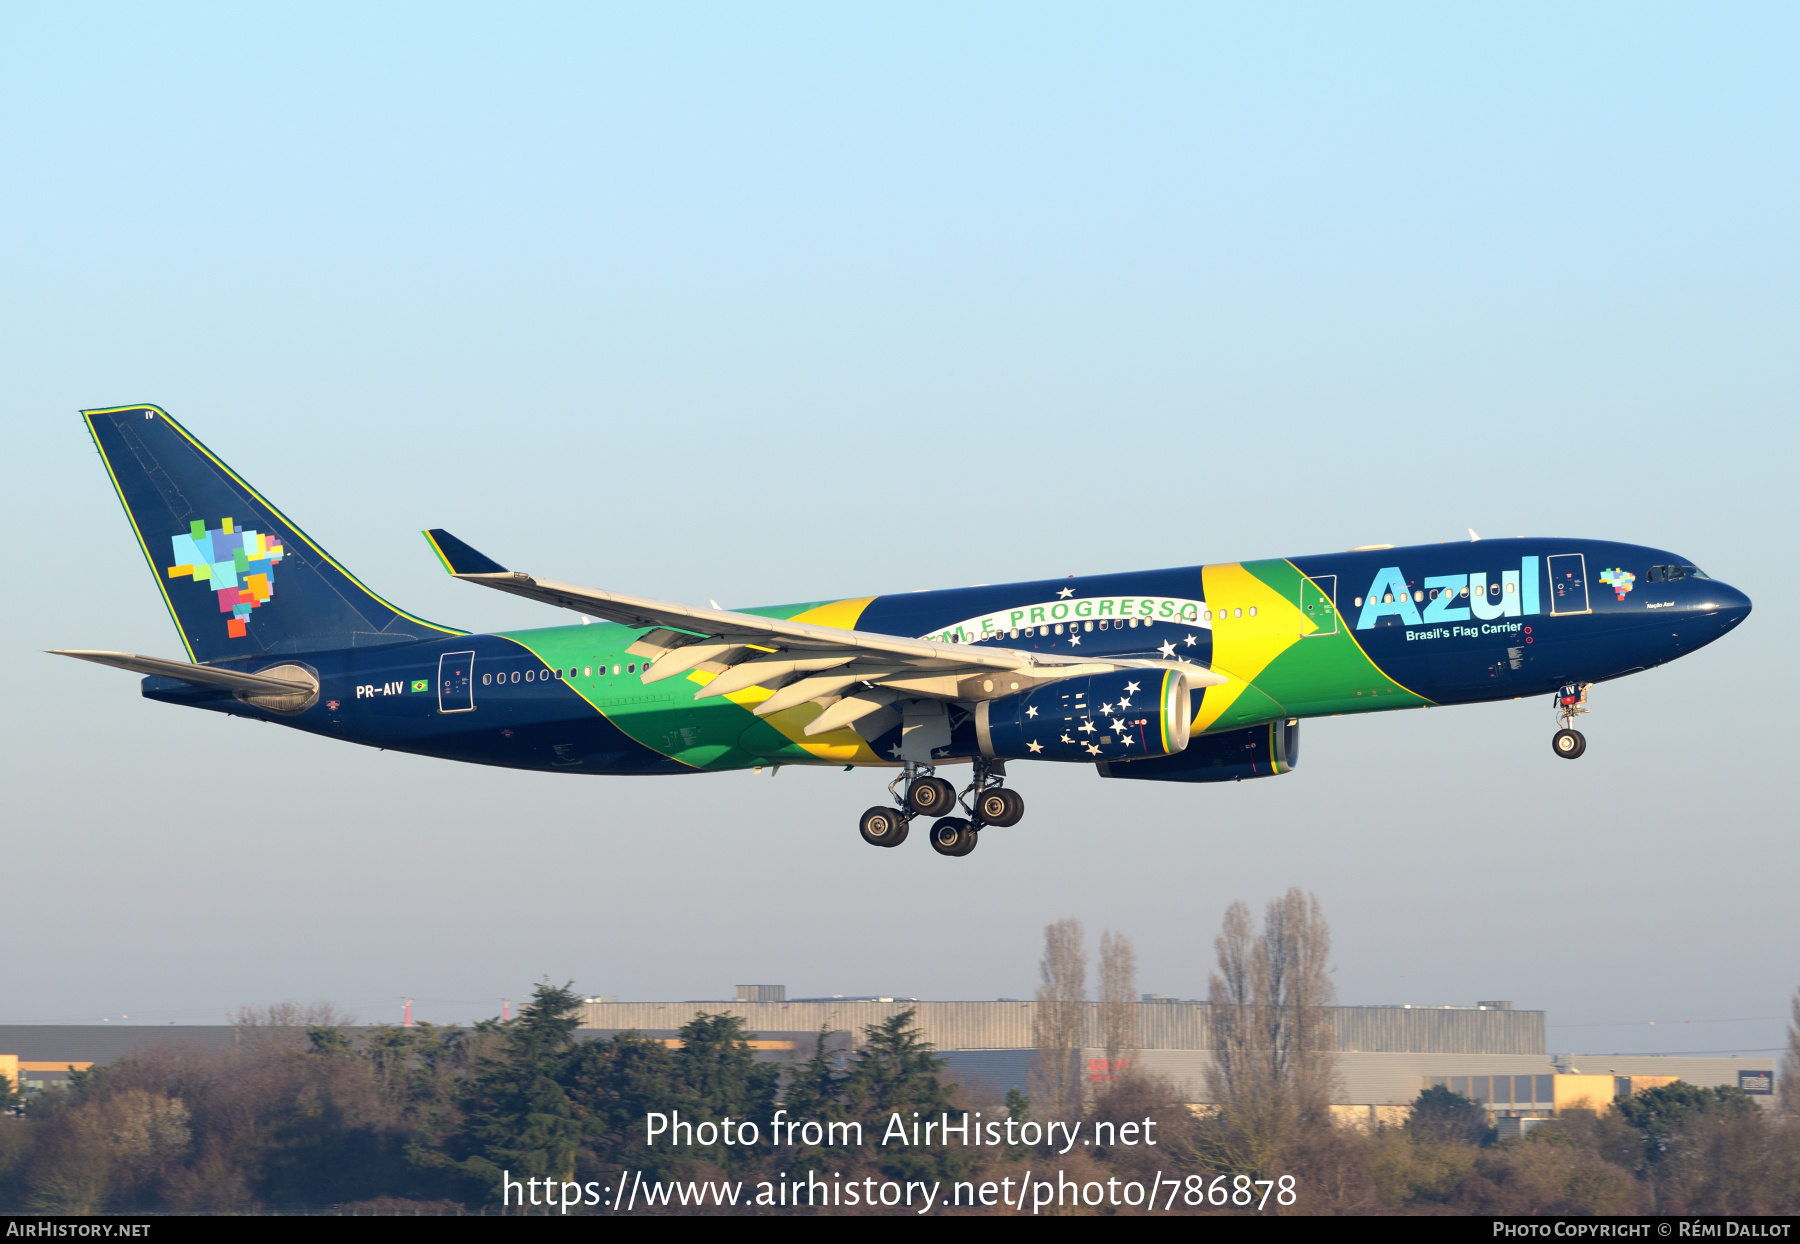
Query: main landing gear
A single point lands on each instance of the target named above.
(986, 801)
(1571, 702)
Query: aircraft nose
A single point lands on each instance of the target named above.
(1733, 606)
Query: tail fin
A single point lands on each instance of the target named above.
(238, 577)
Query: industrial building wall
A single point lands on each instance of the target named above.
(1161, 1025)
(1363, 1079)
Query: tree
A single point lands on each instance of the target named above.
(896, 1070)
(896, 1073)
(517, 1116)
(612, 1087)
(1060, 1022)
(1118, 1001)
(812, 1092)
(1272, 1068)
(1663, 1113)
(1440, 1114)
(1788, 1084)
(717, 1068)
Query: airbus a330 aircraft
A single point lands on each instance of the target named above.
(1193, 674)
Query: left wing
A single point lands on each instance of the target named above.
(801, 662)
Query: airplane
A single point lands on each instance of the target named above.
(1189, 674)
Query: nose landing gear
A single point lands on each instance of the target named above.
(1571, 702)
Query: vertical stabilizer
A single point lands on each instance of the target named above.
(239, 578)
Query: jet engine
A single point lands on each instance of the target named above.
(1102, 717)
(1260, 751)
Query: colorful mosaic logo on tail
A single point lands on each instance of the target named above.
(238, 565)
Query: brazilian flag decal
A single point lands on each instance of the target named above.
(421, 684)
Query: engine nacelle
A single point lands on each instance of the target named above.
(1260, 751)
(1103, 717)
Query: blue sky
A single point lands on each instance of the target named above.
(785, 303)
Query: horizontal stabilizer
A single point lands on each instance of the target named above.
(459, 558)
(200, 675)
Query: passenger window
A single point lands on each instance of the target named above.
(1465, 590)
(1418, 596)
(1359, 602)
(1511, 587)
(1087, 626)
(631, 669)
(530, 674)
(615, 669)
(587, 671)
(1059, 628)
(1253, 611)
(486, 679)
(1134, 624)
(1237, 613)
(515, 675)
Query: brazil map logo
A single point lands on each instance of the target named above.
(239, 565)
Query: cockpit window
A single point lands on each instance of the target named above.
(1668, 574)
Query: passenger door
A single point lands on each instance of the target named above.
(1318, 601)
(456, 683)
(1568, 583)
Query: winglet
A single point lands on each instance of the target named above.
(459, 558)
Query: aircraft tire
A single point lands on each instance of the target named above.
(1569, 744)
(953, 836)
(883, 827)
(931, 796)
(1000, 806)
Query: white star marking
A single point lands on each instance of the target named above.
(1031, 711)
(1067, 739)
(1066, 593)
(1087, 727)
(1118, 725)
(1106, 708)
(1168, 648)
(1124, 702)
(1035, 746)
(1192, 639)
(894, 751)
(1074, 641)
(1131, 688)
(1126, 740)
(1092, 750)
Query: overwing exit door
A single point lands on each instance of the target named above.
(456, 685)
(1568, 583)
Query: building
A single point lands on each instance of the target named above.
(1385, 1054)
